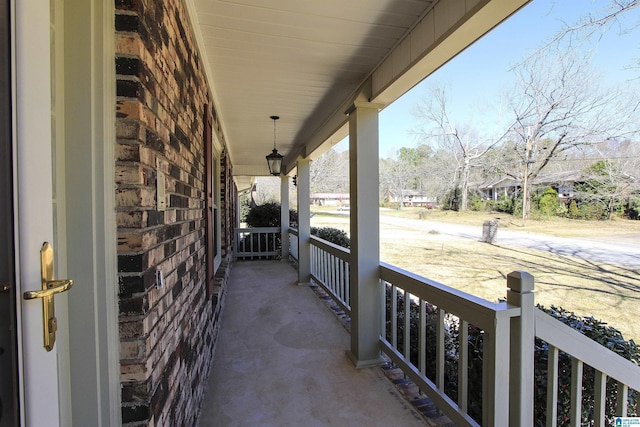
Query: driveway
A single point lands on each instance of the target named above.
(620, 250)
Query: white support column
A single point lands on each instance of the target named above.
(284, 216)
(520, 293)
(366, 294)
(304, 222)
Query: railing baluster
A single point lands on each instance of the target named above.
(273, 242)
(312, 260)
(577, 368)
(244, 242)
(324, 268)
(622, 400)
(463, 365)
(317, 261)
(341, 279)
(440, 350)
(348, 285)
(394, 316)
(407, 325)
(599, 398)
(333, 274)
(383, 310)
(552, 387)
(423, 338)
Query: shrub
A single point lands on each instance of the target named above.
(245, 205)
(591, 212)
(332, 235)
(504, 204)
(451, 201)
(573, 213)
(478, 205)
(548, 202)
(268, 215)
(632, 210)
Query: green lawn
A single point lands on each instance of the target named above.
(606, 292)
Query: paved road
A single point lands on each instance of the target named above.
(623, 250)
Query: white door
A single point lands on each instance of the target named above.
(33, 212)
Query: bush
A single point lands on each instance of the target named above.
(451, 201)
(592, 328)
(332, 235)
(245, 205)
(573, 213)
(268, 215)
(591, 212)
(548, 202)
(478, 205)
(632, 210)
(504, 204)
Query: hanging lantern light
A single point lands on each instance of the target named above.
(274, 160)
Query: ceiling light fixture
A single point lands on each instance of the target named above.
(274, 160)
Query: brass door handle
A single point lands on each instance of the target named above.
(50, 287)
(53, 287)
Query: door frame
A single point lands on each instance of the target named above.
(89, 204)
(84, 160)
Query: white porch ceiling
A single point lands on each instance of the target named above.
(304, 60)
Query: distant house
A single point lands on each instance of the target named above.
(562, 182)
(329, 199)
(493, 188)
(413, 198)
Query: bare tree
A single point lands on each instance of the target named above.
(594, 24)
(467, 146)
(605, 185)
(329, 173)
(557, 105)
(396, 176)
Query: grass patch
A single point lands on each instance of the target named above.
(554, 226)
(604, 291)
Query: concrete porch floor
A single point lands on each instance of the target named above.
(280, 361)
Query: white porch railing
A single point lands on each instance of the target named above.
(330, 269)
(442, 319)
(435, 304)
(293, 244)
(584, 351)
(257, 243)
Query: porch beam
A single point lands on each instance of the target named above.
(365, 291)
(304, 222)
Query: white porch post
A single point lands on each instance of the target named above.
(304, 222)
(284, 216)
(366, 295)
(520, 293)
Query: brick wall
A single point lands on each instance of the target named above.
(167, 334)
